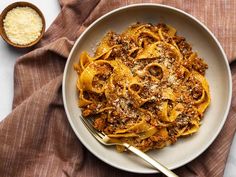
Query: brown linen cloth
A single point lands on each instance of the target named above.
(36, 139)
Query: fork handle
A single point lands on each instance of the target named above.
(151, 161)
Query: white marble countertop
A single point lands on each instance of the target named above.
(8, 55)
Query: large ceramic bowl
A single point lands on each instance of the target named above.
(218, 75)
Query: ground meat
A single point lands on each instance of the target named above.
(183, 46)
(199, 65)
(89, 110)
(86, 112)
(197, 92)
(99, 124)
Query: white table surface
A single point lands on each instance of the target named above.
(8, 55)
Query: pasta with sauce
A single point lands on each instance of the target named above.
(144, 86)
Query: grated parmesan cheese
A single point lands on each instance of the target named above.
(22, 25)
(171, 79)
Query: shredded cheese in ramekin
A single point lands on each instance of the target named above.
(22, 25)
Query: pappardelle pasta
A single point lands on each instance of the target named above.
(144, 86)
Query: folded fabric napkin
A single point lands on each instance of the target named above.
(36, 138)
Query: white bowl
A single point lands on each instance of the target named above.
(218, 75)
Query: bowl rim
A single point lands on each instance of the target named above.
(190, 158)
(20, 4)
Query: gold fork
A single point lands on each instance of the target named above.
(105, 140)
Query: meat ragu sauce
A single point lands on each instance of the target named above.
(145, 86)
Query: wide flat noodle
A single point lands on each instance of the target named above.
(205, 99)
